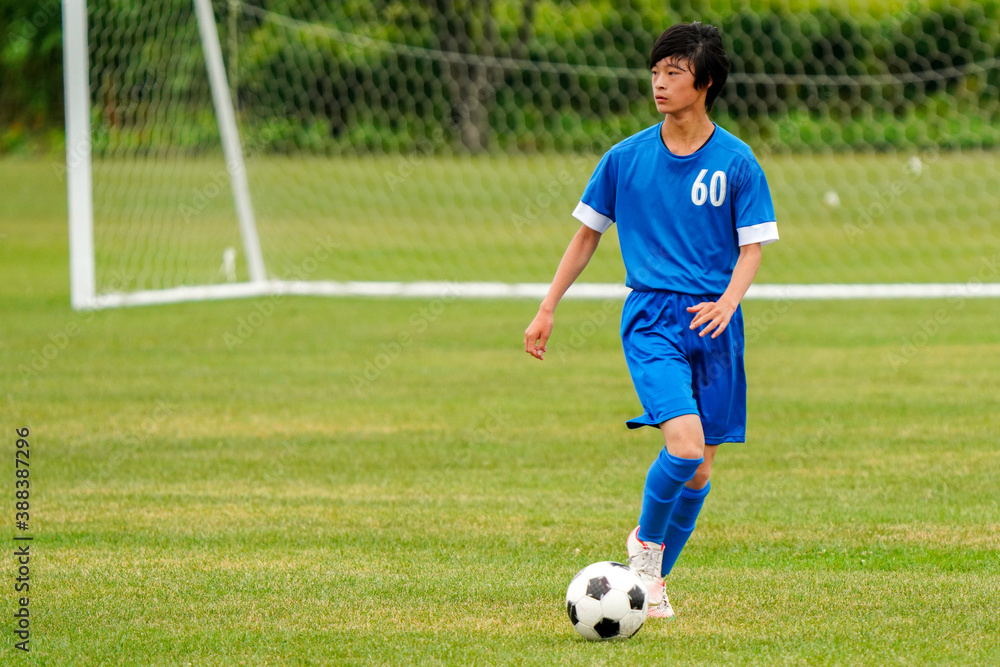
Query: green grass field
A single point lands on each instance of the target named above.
(323, 493)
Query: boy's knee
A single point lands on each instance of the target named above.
(683, 436)
(701, 476)
(686, 448)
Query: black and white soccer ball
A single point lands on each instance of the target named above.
(607, 600)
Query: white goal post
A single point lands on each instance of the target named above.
(76, 59)
(76, 67)
(164, 243)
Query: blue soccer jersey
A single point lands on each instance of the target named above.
(681, 218)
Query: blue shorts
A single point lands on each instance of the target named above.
(676, 372)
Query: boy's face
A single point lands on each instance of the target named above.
(673, 87)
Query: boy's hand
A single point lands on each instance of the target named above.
(537, 334)
(715, 313)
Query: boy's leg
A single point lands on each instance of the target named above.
(685, 512)
(718, 383)
(653, 329)
(676, 464)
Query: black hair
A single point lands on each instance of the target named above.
(700, 45)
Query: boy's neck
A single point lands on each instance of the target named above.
(685, 133)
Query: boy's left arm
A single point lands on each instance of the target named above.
(715, 315)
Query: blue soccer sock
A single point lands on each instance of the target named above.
(681, 524)
(664, 481)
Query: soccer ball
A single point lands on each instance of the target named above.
(606, 600)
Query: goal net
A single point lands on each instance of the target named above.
(236, 147)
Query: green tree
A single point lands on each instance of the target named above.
(30, 64)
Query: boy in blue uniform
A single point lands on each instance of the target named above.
(693, 210)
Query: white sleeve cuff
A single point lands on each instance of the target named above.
(764, 233)
(588, 216)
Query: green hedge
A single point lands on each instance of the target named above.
(315, 92)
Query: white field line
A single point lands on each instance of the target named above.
(485, 290)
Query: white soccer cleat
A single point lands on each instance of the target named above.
(646, 560)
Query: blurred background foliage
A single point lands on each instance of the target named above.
(508, 75)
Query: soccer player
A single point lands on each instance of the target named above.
(693, 210)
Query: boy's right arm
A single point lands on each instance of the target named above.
(574, 260)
